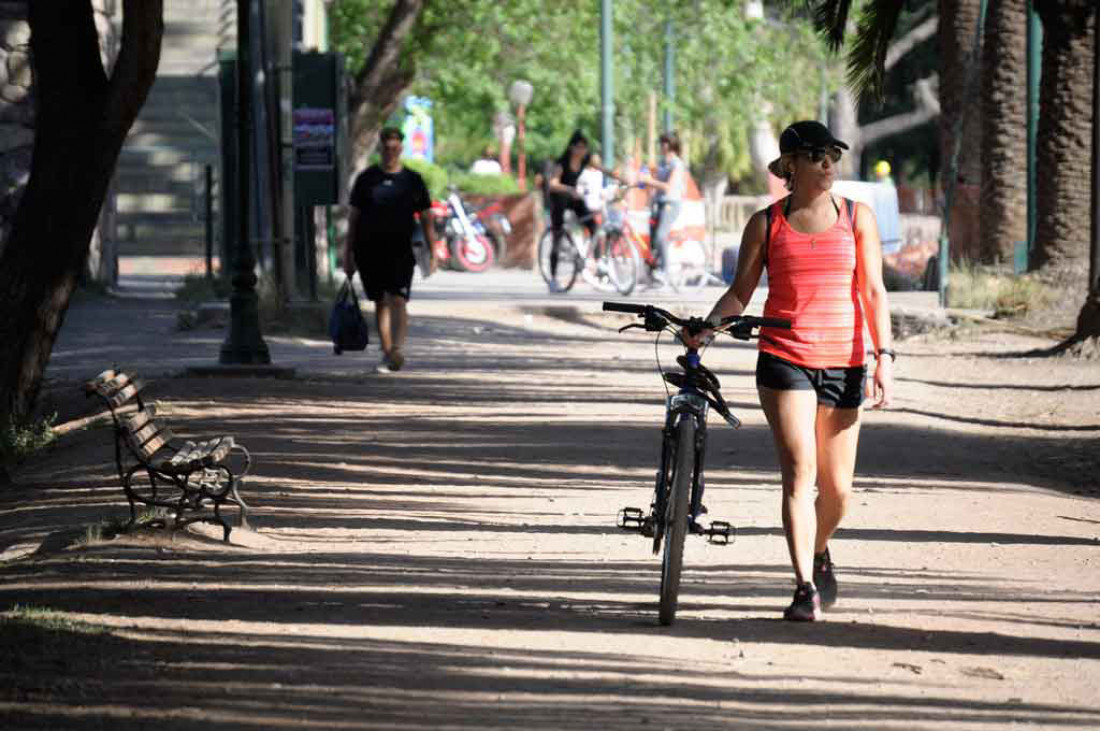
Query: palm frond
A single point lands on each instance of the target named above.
(830, 18)
(867, 57)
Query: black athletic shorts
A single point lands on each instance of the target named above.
(386, 269)
(841, 388)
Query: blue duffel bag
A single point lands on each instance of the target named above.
(346, 324)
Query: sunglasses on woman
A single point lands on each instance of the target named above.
(819, 154)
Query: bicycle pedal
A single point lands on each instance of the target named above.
(720, 532)
(630, 519)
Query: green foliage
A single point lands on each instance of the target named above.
(435, 177)
(485, 184)
(729, 71)
(19, 441)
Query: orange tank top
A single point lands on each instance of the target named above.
(812, 283)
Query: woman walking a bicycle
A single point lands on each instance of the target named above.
(824, 263)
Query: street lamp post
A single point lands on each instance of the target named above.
(520, 94)
(244, 345)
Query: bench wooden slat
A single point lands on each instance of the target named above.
(145, 433)
(93, 385)
(126, 393)
(149, 448)
(111, 386)
(136, 421)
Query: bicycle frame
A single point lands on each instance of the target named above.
(688, 403)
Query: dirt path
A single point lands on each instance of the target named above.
(437, 549)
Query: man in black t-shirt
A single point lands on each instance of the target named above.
(384, 202)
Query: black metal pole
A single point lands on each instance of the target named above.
(244, 344)
(209, 211)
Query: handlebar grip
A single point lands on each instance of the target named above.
(774, 322)
(623, 307)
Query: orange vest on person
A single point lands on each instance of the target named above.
(812, 282)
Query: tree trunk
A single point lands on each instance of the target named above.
(1004, 134)
(384, 77)
(958, 21)
(1065, 139)
(81, 123)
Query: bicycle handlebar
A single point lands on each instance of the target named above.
(693, 324)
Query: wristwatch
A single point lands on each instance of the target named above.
(887, 351)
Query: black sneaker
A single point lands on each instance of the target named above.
(825, 579)
(806, 605)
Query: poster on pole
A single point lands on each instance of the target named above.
(418, 129)
(314, 139)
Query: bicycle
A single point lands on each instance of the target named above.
(607, 263)
(687, 266)
(678, 495)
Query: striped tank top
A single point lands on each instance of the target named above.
(812, 283)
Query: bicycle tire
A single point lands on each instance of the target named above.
(676, 519)
(568, 261)
(623, 263)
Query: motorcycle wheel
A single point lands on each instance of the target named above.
(472, 254)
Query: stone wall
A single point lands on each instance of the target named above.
(17, 96)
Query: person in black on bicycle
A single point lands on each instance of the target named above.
(565, 195)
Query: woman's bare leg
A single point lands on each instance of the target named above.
(837, 439)
(791, 416)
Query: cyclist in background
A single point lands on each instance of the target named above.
(565, 195)
(669, 184)
(824, 262)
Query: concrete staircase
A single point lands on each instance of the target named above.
(160, 180)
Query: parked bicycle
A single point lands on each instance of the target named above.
(678, 495)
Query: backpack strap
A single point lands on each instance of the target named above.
(768, 215)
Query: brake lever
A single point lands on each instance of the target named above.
(631, 326)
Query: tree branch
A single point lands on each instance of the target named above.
(138, 59)
(919, 33)
(928, 107)
(368, 96)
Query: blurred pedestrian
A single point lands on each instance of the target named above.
(385, 201)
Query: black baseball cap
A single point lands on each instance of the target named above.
(388, 133)
(805, 135)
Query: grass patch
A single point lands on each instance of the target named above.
(43, 618)
(110, 528)
(975, 287)
(19, 441)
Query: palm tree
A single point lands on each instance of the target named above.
(1065, 133)
(1004, 134)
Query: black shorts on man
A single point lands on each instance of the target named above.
(386, 267)
(841, 388)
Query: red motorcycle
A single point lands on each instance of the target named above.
(462, 241)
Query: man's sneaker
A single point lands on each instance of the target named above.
(397, 360)
(384, 365)
(825, 579)
(806, 605)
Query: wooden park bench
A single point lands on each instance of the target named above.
(185, 477)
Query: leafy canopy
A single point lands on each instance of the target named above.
(728, 71)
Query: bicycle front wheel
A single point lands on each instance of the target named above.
(623, 263)
(676, 518)
(559, 268)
